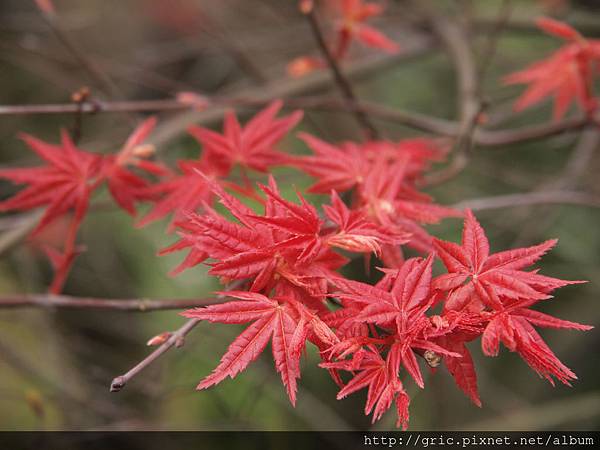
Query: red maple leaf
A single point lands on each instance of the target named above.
(352, 25)
(337, 168)
(477, 279)
(382, 176)
(181, 193)
(513, 326)
(567, 74)
(282, 321)
(64, 184)
(371, 371)
(349, 20)
(127, 187)
(287, 248)
(497, 287)
(389, 199)
(401, 309)
(355, 232)
(462, 368)
(251, 146)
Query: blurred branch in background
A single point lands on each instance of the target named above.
(100, 304)
(342, 82)
(216, 106)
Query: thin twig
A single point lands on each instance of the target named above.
(101, 304)
(470, 85)
(469, 104)
(530, 199)
(176, 339)
(342, 82)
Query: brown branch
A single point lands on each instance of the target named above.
(455, 40)
(100, 304)
(530, 199)
(418, 121)
(501, 138)
(342, 82)
(96, 106)
(470, 84)
(176, 339)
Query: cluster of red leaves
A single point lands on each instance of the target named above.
(381, 178)
(65, 184)
(287, 254)
(287, 258)
(567, 75)
(349, 19)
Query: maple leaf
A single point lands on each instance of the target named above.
(383, 175)
(477, 279)
(64, 184)
(351, 25)
(462, 368)
(567, 74)
(497, 287)
(419, 153)
(356, 233)
(400, 309)
(125, 186)
(183, 192)
(386, 196)
(252, 146)
(513, 327)
(280, 321)
(350, 17)
(337, 168)
(372, 372)
(346, 165)
(281, 247)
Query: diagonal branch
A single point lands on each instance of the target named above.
(342, 82)
(176, 339)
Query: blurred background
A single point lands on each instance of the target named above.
(56, 366)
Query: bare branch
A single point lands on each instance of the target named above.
(418, 121)
(101, 304)
(176, 339)
(342, 82)
(530, 199)
(470, 82)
